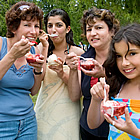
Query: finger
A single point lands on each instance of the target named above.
(109, 119)
(127, 116)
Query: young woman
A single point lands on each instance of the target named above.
(99, 26)
(57, 115)
(18, 79)
(123, 75)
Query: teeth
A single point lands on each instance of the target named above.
(128, 70)
(30, 38)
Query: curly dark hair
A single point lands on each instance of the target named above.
(130, 34)
(102, 14)
(16, 14)
(66, 19)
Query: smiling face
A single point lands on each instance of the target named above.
(98, 34)
(30, 29)
(128, 62)
(56, 26)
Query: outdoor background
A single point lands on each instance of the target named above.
(127, 11)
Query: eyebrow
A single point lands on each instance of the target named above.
(93, 25)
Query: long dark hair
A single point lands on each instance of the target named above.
(130, 34)
(66, 19)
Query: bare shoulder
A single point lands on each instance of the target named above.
(77, 50)
(0, 43)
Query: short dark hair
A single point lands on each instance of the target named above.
(102, 14)
(16, 14)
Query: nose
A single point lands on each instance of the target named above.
(54, 29)
(33, 31)
(93, 31)
(125, 62)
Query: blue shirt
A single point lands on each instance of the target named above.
(15, 101)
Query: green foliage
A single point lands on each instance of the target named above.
(3, 8)
(127, 11)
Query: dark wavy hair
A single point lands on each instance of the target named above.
(102, 14)
(130, 34)
(66, 19)
(16, 14)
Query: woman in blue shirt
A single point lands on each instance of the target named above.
(18, 79)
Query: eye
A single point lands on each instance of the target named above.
(37, 26)
(59, 25)
(26, 24)
(88, 29)
(49, 25)
(99, 27)
(118, 56)
(132, 53)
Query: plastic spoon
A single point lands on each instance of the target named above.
(52, 35)
(81, 57)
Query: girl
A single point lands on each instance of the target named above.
(123, 75)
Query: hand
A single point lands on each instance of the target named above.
(43, 37)
(38, 64)
(125, 125)
(58, 68)
(20, 48)
(72, 61)
(97, 90)
(97, 71)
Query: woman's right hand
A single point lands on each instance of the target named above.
(97, 90)
(72, 61)
(20, 48)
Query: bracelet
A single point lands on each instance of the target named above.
(38, 73)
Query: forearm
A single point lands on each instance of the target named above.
(95, 116)
(74, 88)
(37, 83)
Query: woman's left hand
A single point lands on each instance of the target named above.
(125, 125)
(58, 68)
(97, 71)
(38, 64)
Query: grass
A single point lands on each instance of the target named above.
(34, 98)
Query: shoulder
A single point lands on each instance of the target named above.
(77, 50)
(0, 43)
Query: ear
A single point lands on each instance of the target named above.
(68, 29)
(112, 32)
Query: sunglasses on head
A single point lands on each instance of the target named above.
(24, 7)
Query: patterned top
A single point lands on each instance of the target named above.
(134, 111)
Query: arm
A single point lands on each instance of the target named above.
(74, 82)
(19, 49)
(43, 49)
(95, 115)
(127, 126)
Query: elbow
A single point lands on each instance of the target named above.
(75, 98)
(90, 126)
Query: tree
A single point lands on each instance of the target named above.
(127, 11)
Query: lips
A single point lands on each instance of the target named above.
(128, 70)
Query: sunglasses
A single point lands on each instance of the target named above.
(23, 7)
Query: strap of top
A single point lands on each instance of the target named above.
(3, 48)
(3, 51)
